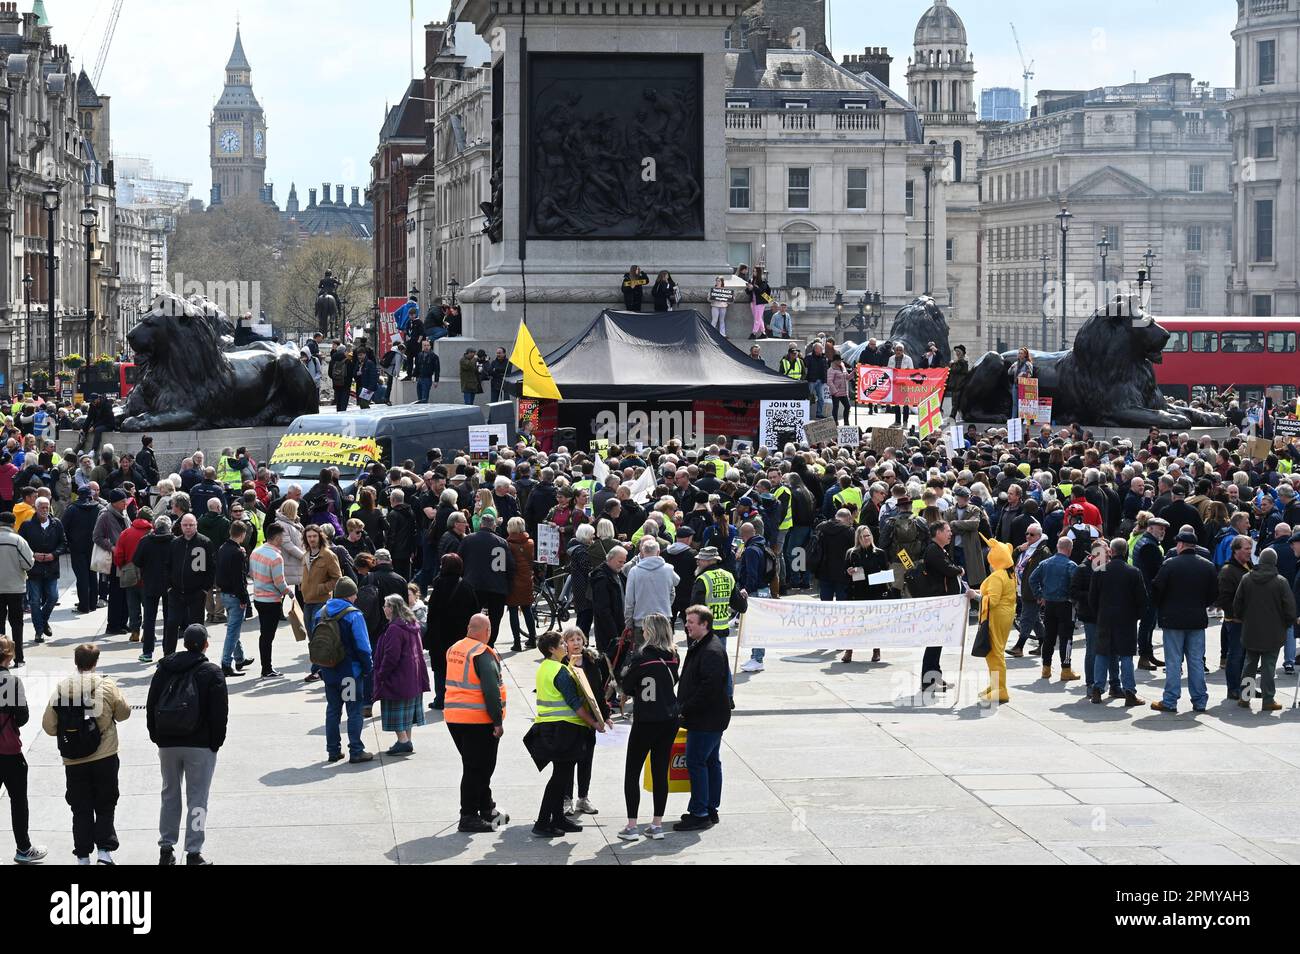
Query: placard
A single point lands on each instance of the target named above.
(1259, 448)
(487, 437)
(899, 386)
(548, 544)
(805, 625)
(742, 447)
(883, 438)
(781, 422)
(848, 436)
(1015, 430)
(1284, 427)
(822, 431)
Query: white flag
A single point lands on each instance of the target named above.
(643, 486)
(600, 470)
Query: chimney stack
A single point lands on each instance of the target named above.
(874, 60)
(756, 37)
(11, 21)
(356, 197)
(338, 195)
(311, 198)
(325, 194)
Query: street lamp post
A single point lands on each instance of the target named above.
(933, 153)
(89, 219)
(453, 285)
(50, 199)
(839, 310)
(1043, 259)
(27, 347)
(1149, 260)
(1104, 248)
(1063, 218)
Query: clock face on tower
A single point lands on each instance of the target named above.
(229, 141)
(259, 143)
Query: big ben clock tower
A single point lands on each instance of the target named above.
(238, 133)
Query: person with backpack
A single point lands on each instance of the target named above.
(82, 715)
(340, 646)
(186, 713)
(14, 714)
(757, 575)
(342, 369)
(903, 534)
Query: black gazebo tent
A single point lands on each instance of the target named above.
(658, 356)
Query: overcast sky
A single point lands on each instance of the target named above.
(324, 70)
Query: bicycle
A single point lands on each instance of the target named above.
(552, 600)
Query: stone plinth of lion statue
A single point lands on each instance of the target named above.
(1107, 379)
(189, 383)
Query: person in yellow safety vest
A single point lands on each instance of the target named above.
(474, 708)
(717, 589)
(588, 482)
(782, 494)
(792, 365)
(557, 734)
(229, 473)
(849, 496)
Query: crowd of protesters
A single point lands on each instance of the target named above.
(1065, 530)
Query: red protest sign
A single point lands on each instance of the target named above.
(903, 386)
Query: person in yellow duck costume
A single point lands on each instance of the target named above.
(997, 596)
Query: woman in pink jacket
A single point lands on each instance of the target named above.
(837, 382)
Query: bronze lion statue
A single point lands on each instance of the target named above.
(1105, 380)
(190, 383)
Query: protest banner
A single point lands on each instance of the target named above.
(487, 437)
(901, 386)
(548, 544)
(823, 431)
(781, 423)
(333, 449)
(1259, 448)
(1015, 430)
(848, 437)
(1282, 427)
(806, 625)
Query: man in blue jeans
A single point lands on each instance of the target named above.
(706, 712)
(1230, 577)
(44, 534)
(427, 369)
(1186, 584)
(344, 683)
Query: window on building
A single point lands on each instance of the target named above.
(1264, 142)
(739, 197)
(1196, 178)
(739, 253)
(1111, 234)
(1205, 342)
(1261, 306)
(1239, 342)
(797, 188)
(909, 199)
(1194, 293)
(857, 189)
(855, 267)
(948, 250)
(798, 265)
(1177, 341)
(909, 268)
(1266, 62)
(1193, 238)
(1263, 230)
(1281, 341)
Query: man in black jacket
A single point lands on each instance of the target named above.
(1118, 597)
(1148, 555)
(704, 700)
(44, 534)
(386, 580)
(540, 501)
(79, 528)
(607, 600)
(1184, 586)
(188, 729)
(153, 556)
(1180, 512)
(146, 461)
(402, 535)
(489, 568)
(939, 577)
(191, 566)
(831, 542)
(231, 580)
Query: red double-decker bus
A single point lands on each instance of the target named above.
(1206, 356)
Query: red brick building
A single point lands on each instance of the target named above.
(392, 172)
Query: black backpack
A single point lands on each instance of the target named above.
(339, 373)
(78, 733)
(907, 535)
(177, 711)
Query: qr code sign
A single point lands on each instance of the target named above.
(781, 421)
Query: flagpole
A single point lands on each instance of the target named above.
(410, 40)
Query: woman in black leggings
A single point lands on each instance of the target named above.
(650, 681)
(13, 766)
(596, 668)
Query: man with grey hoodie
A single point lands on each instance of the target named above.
(651, 585)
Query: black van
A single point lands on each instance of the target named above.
(353, 440)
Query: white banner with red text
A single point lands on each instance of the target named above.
(868, 624)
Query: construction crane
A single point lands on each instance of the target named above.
(1027, 67)
(109, 30)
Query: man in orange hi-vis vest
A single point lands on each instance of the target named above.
(475, 707)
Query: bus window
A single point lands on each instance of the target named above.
(1177, 341)
(1250, 394)
(1288, 391)
(1281, 341)
(1205, 341)
(1177, 392)
(1249, 342)
(1204, 392)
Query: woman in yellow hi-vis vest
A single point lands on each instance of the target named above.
(558, 735)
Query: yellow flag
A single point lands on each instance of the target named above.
(538, 382)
